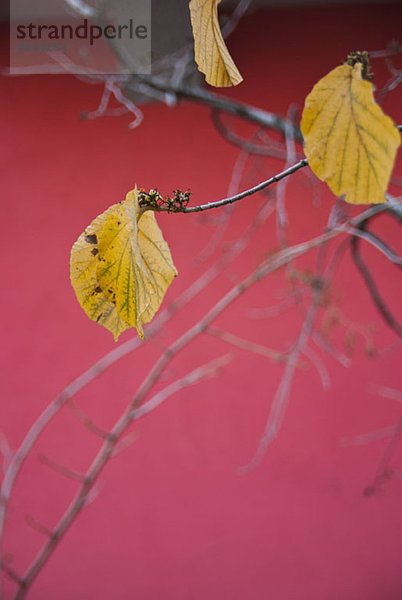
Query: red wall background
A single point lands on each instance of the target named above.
(173, 518)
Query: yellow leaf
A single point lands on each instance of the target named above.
(349, 142)
(83, 263)
(211, 54)
(121, 267)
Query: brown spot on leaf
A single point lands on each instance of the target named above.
(91, 239)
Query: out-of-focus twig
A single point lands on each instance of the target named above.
(250, 346)
(384, 471)
(369, 279)
(235, 17)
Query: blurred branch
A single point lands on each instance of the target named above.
(319, 365)
(247, 345)
(81, 8)
(281, 397)
(92, 427)
(272, 149)
(368, 277)
(63, 470)
(211, 369)
(6, 451)
(239, 109)
(377, 243)
(12, 574)
(386, 392)
(384, 471)
(235, 17)
(38, 526)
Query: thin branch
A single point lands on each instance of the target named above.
(235, 198)
(234, 184)
(235, 17)
(371, 285)
(322, 343)
(247, 112)
(319, 365)
(230, 338)
(272, 148)
(281, 397)
(377, 243)
(124, 443)
(38, 526)
(12, 574)
(6, 451)
(384, 471)
(90, 425)
(63, 470)
(276, 309)
(281, 214)
(393, 48)
(206, 371)
(386, 392)
(367, 438)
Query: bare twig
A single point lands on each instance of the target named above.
(384, 471)
(247, 112)
(208, 370)
(386, 392)
(320, 366)
(11, 573)
(369, 279)
(237, 197)
(281, 397)
(63, 470)
(235, 17)
(230, 338)
(393, 48)
(322, 343)
(367, 438)
(6, 451)
(282, 218)
(92, 427)
(234, 184)
(377, 243)
(38, 526)
(270, 148)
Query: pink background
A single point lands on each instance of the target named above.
(174, 519)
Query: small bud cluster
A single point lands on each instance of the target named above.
(363, 58)
(155, 201)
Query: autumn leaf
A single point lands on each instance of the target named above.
(348, 140)
(121, 267)
(211, 54)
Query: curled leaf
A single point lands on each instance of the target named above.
(349, 142)
(121, 267)
(211, 54)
